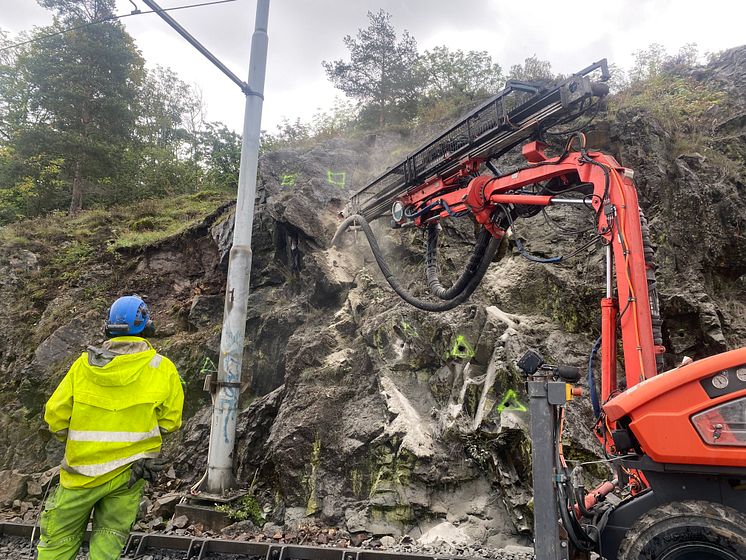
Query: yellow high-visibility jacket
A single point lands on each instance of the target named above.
(111, 409)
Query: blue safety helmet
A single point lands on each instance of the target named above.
(128, 316)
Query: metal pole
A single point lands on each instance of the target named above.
(225, 400)
(547, 545)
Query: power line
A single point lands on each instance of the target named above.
(112, 18)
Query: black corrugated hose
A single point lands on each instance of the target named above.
(431, 266)
(467, 283)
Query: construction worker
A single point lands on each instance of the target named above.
(110, 410)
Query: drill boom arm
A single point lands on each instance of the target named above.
(495, 127)
(442, 179)
(613, 198)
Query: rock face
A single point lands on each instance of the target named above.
(363, 413)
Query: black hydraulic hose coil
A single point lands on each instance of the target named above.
(470, 285)
(431, 266)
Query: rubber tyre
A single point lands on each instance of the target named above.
(687, 531)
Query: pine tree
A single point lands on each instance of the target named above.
(381, 72)
(83, 91)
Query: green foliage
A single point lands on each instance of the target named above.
(680, 101)
(661, 84)
(340, 119)
(245, 508)
(219, 150)
(30, 186)
(81, 96)
(532, 69)
(454, 81)
(82, 122)
(74, 10)
(158, 219)
(655, 60)
(381, 73)
(459, 75)
(125, 226)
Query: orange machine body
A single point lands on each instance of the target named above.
(660, 410)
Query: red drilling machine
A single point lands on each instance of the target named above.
(675, 440)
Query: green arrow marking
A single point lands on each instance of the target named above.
(510, 402)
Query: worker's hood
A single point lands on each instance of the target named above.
(119, 361)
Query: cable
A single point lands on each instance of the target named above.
(51, 482)
(578, 536)
(519, 244)
(533, 258)
(112, 18)
(592, 382)
(610, 460)
(551, 223)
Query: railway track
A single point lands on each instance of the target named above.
(153, 546)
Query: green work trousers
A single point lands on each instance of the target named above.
(66, 514)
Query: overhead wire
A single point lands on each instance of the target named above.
(113, 17)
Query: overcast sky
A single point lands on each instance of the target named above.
(302, 33)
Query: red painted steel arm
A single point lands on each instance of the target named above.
(615, 201)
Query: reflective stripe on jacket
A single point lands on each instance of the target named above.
(114, 413)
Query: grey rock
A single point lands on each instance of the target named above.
(180, 521)
(66, 341)
(238, 528)
(13, 486)
(165, 505)
(34, 489)
(206, 310)
(387, 541)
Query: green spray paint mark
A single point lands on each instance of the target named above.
(208, 366)
(409, 330)
(312, 506)
(461, 349)
(288, 180)
(510, 402)
(336, 179)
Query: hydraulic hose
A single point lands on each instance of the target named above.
(650, 267)
(464, 293)
(595, 403)
(431, 267)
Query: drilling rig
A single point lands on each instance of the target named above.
(675, 440)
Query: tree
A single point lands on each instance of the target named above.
(13, 92)
(220, 150)
(460, 75)
(164, 99)
(655, 60)
(83, 92)
(532, 69)
(74, 11)
(381, 71)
